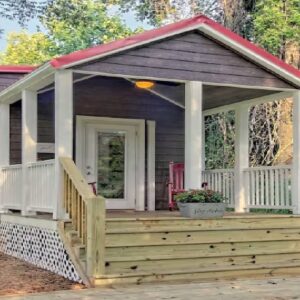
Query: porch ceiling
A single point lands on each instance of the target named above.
(214, 96)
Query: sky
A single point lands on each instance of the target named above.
(9, 26)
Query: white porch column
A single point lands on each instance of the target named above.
(4, 142)
(296, 154)
(63, 131)
(29, 140)
(241, 156)
(193, 135)
(4, 134)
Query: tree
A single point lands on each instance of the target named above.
(160, 12)
(21, 10)
(25, 48)
(78, 24)
(277, 28)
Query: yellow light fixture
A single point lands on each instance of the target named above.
(144, 84)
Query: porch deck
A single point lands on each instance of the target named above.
(165, 214)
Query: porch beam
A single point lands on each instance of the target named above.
(241, 156)
(296, 154)
(29, 142)
(63, 131)
(193, 135)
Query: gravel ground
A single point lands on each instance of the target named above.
(18, 277)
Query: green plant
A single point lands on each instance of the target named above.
(200, 196)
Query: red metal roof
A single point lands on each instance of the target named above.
(16, 69)
(168, 30)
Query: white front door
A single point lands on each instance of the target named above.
(110, 162)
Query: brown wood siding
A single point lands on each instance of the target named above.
(7, 79)
(187, 57)
(105, 97)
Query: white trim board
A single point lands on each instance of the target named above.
(83, 121)
(151, 165)
(29, 221)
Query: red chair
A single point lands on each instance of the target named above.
(175, 182)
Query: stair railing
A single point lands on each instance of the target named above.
(87, 214)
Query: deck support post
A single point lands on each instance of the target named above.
(296, 154)
(241, 157)
(63, 132)
(193, 135)
(29, 142)
(4, 142)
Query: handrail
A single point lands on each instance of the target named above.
(87, 213)
(78, 180)
(267, 168)
(218, 170)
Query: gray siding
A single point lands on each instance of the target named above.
(15, 133)
(7, 79)
(118, 98)
(45, 126)
(187, 57)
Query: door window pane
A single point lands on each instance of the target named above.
(111, 165)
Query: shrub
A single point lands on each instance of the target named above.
(200, 196)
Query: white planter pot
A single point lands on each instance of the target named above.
(201, 210)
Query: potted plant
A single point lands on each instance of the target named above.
(201, 204)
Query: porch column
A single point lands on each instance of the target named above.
(296, 154)
(4, 142)
(241, 156)
(193, 135)
(63, 131)
(29, 141)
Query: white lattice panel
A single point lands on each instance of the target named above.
(41, 247)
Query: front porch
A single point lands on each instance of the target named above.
(149, 139)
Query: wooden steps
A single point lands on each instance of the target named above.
(146, 250)
(75, 249)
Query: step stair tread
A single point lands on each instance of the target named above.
(188, 256)
(202, 270)
(187, 229)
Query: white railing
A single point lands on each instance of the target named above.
(40, 180)
(269, 187)
(221, 180)
(40, 187)
(11, 187)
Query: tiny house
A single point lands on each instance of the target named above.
(113, 117)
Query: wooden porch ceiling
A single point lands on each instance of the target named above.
(214, 96)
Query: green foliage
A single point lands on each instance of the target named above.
(219, 140)
(20, 10)
(111, 159)
(25, 48)
(200, 196)
(159, 12)
(276, 24)
(79, 24)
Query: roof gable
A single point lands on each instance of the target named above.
(188, 56)
(200, 23)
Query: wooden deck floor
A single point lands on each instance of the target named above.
(132, 214)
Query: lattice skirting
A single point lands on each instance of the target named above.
(38, 246)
